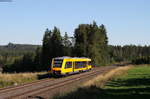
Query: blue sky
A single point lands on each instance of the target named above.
(24, 21)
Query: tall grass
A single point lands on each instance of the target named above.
(7, 79)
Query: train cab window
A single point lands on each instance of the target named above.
(58, 63)
(68, 65)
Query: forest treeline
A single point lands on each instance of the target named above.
(130, 53)
(89, 40)
(16, 49)
(12, 52)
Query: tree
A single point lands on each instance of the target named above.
(52, 47)
(46, 50)
(80, 36)
(91, 41)
(27, 63)
(57, 46)
(38, 59)
(67, 45)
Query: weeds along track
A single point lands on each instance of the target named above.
(40, 88)
(3, 90)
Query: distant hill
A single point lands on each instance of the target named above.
(17, 49)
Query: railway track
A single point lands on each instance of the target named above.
(40, 88)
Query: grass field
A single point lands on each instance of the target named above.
(19, 78)
(135, 84)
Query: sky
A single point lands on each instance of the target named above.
(24, 21)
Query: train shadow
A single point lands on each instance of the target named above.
(47, 75)
(43, 76)
(50, 75)
(36, 97)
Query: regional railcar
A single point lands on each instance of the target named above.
(70, 65)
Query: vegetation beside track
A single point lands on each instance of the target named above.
(19, 78)
(134, 84)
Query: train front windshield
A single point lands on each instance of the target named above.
(57, 63)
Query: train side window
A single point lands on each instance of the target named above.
(84, 64)
(68, 65)
(81, 64)
(78, 65)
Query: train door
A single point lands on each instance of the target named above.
(68, 67)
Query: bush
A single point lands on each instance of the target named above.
(141, 60)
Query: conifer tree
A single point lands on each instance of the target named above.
(91, 41)
(56, 39)
(67, 45)
(46, 49)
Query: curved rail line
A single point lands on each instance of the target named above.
(6, 89)
(48, 85)
(58, 85)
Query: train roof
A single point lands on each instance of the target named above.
(67, 57)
